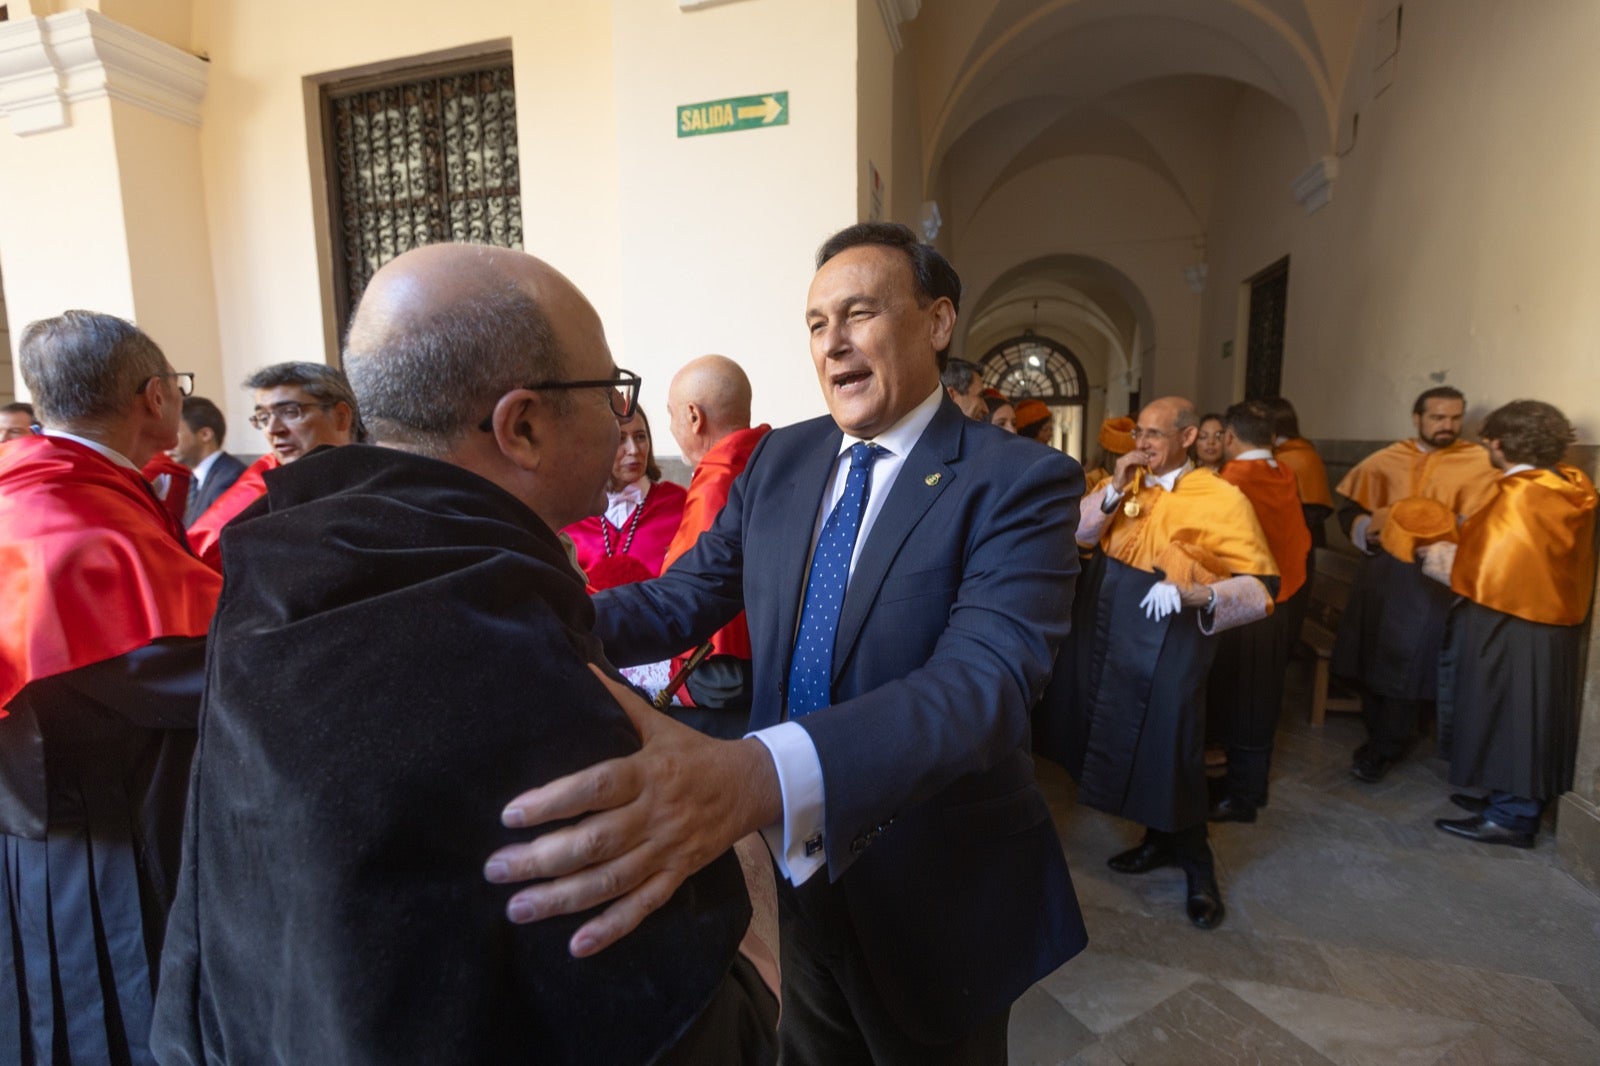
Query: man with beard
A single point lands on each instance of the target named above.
(1523, 570)
(1185, 559)
(1393, 625)
(401, 645)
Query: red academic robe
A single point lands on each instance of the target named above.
(708, 493)
(91, 564)
(174, 492)
(638, 549)
(206, 533)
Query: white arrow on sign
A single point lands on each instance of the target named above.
(768, 107)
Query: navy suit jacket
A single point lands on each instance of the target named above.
(937, 837)
(225, 470)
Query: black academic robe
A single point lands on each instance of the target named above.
(1508, 702)
(1139, 723)
(401, 647)
(94, 766)
(1392, 630)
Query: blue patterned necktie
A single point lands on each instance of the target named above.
(811, 671)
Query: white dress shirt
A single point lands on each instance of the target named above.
(620, 504)
(203, 467)
(115, 456)
(797, 843)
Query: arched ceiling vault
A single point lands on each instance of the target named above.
(1066, 54)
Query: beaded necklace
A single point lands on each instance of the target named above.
(633, 527)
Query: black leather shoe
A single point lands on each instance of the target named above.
(1484, 831)
(1369, 766)
(1228, 809)
(1142, 859)
(1469, 803)
(1205, 900)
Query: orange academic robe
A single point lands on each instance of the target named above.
(1530, 551)
(1459, 476)
(1271, 490)
(1311, 477)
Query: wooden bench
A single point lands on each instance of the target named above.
(1330, 591)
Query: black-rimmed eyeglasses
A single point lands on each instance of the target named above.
(183, 378)
(289, 412)
(624, 394)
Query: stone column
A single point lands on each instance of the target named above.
(101, 200)
(1578, 813)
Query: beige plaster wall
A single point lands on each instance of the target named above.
(1104, 209)
(55, 259)
(1462, 237)
(166, 20)
(719, 231)
(875, 108)
(259, 133)
(684, 245)
(174, 299)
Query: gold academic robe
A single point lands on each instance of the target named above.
(1311, 477)
(1137, 724)
(1459, 476)
(1202, 509)
(1530, 551)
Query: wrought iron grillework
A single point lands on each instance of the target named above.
(427, 160)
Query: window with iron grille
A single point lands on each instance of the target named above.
(418, 157)
(1035, 367)
(1269, 308)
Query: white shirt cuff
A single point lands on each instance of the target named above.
(796, 844)
(1358, 532)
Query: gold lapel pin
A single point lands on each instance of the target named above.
(932, 479)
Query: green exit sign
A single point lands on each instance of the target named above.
(734, 113)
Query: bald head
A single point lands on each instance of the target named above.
(442, 331)
(708, 399)
(1166, 431)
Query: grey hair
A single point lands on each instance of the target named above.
(86, 367)
(958, 374)
(324, 383)
(426, 380)
(1186, 419)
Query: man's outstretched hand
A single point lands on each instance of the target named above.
(652, 819)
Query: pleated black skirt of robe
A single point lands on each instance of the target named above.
(1508, 702)
(1057, 728)
(1244, 692)
(1138, 729)
(94, 767)
(1392, 630)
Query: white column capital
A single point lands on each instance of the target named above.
(48, 63)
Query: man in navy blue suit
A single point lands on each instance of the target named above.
(910, 576)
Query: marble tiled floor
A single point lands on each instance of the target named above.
(1356, 933)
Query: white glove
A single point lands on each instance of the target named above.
(1162, 599)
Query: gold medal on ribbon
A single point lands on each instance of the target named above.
(1132, 508)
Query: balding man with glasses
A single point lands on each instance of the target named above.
(300, 407)
(103, 615)
(401, 645)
